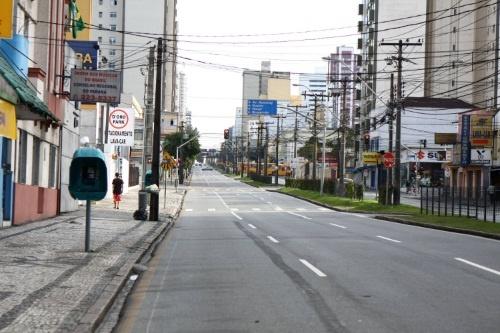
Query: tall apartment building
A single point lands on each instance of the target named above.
(343, 65)
(107, 23)
(388, 21)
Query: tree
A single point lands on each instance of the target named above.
(189, 151)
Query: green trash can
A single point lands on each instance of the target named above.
(148, 178)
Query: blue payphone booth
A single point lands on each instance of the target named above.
(88, 180)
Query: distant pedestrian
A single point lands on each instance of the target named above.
(117, 190)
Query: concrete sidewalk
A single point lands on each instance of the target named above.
(48, 283)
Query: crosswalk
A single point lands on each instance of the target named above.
(257, 209)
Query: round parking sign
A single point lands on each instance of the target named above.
(118, 119)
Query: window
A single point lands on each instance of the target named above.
(112, 14)
(138, 135)
(112, 40)
(100, 26)
(23, 152)
(111, 65)
(113, 27)
(52, 166)
(114, 2)
(100, 14)
(35, 174)
(112, 52)
(100, 2)
(99, 39)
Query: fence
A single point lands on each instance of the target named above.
(479, 203)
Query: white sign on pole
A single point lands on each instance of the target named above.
(121, 127)
(91, 86)
(480, 156)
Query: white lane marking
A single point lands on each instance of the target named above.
(301, 209)
(272, 239)
(278, 208)
(389, 239)
(304, 217)
(269, 203)
(211, 209)
(478, 266)
(189, 210)
(338, 226)
(312, 268)
(234, 209)
(359, 215)
(323, 209)
(256, 209)
(252, 226)
(237, 216)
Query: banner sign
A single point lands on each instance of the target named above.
(90, 86)
(8, 127)
(121, 126)
(371, 158)
(425, 156)
(262, 107)
(86, 52)
(6, 18)
(481, 131)
(445, 138)
(480, 156)
(464, 141)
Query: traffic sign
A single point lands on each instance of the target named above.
(266, 107)
(389, 159)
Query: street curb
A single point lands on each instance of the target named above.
(401, 221)
(437, 227)
(97, 312)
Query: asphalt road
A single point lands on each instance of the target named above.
(241, 259)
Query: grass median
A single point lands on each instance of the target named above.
(403, 212)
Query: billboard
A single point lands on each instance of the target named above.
(8, 126)
(6, 18)
(90, 86)
(86, 53)
(121, 126)
(371, 158)
(262, 107)
(481, 132)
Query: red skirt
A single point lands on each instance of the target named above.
(117, 197)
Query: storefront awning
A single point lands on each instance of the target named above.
(29, 106)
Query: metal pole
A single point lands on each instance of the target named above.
(277, 149)
(155, 163)
(87, 227)
(342, 144)
(149, 93)
(391, 115)
(315, 135)
(323, 161)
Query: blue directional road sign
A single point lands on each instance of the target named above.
(267, 107)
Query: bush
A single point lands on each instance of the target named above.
(352, 190)
(261, 178)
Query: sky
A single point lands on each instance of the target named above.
(218, 39)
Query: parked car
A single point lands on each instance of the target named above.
(206, 167)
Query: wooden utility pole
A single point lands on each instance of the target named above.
(278, 117)
(397, 165)
(155, 161)
(391, 115)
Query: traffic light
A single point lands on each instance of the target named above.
(366, 139)
(226, 134)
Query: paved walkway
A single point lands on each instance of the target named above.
(49, 284)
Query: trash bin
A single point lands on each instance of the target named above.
(143, 200)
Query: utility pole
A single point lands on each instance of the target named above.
(259, 129)
(266, 147)
(391, 115)
(248, 155)
(278, 146)
(343, 118)
(147, 114)
(155, 163)
(397, 164)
